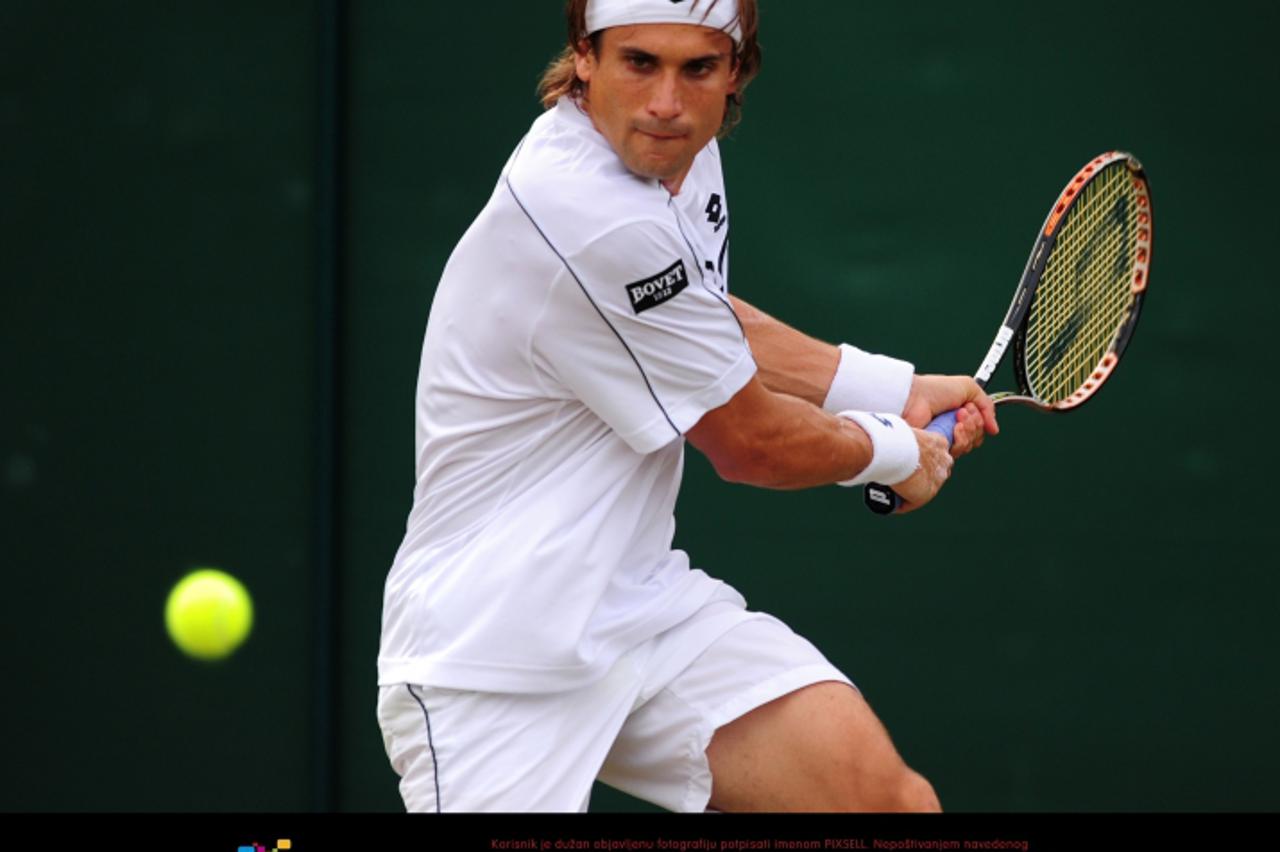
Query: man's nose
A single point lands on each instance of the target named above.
(665, 101)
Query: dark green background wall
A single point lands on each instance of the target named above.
(1085, 619)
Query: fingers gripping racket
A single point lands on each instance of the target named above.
(1077, 304)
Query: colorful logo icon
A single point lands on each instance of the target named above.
(286, 843)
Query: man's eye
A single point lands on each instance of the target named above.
(640, 62)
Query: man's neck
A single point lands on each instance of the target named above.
(673, 185)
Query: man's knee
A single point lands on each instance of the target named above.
(914, 794)
(900, 790)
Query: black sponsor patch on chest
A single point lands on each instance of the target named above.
(653, 291)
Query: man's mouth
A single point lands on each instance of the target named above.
(661, 135)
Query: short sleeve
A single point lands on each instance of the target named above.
(631, 329)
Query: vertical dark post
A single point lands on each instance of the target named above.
(330, 180)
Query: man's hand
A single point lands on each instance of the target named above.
(935, 468)
(934, 395)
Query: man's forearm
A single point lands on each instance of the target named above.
(790, 362)
(774, 440)
(837, 378)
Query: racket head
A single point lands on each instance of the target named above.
(1087, 278)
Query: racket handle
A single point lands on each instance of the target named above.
(882, 499)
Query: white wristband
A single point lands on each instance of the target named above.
(896, 453)
(866, 382)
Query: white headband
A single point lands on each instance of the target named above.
(602, 14)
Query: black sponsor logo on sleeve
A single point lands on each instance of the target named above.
(653, 291)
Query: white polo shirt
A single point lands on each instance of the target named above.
(580, 328)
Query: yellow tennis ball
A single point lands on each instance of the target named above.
(208, 614)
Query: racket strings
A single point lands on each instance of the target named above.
(1085, 292)
(1107, 296)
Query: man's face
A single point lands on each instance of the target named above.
(657, 93)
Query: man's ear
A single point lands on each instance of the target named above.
(584, 61)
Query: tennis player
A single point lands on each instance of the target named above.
(539, 631)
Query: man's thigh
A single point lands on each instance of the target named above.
(661, 753)
(820, 748)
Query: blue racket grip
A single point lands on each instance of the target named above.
(882, 499)
(945, 425)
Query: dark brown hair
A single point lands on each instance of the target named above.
(561, 76)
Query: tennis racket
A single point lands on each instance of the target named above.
(1077, 304)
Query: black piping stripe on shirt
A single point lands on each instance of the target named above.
(435, 764)
(671, 205)
(583, 288)
(728, 226)
(676, 213)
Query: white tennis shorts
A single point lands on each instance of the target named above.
(643, 728)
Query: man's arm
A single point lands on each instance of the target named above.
(778, 441)
(790, 362)
(795, 364)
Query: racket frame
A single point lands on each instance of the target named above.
(1013, 327)
(882, 499)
